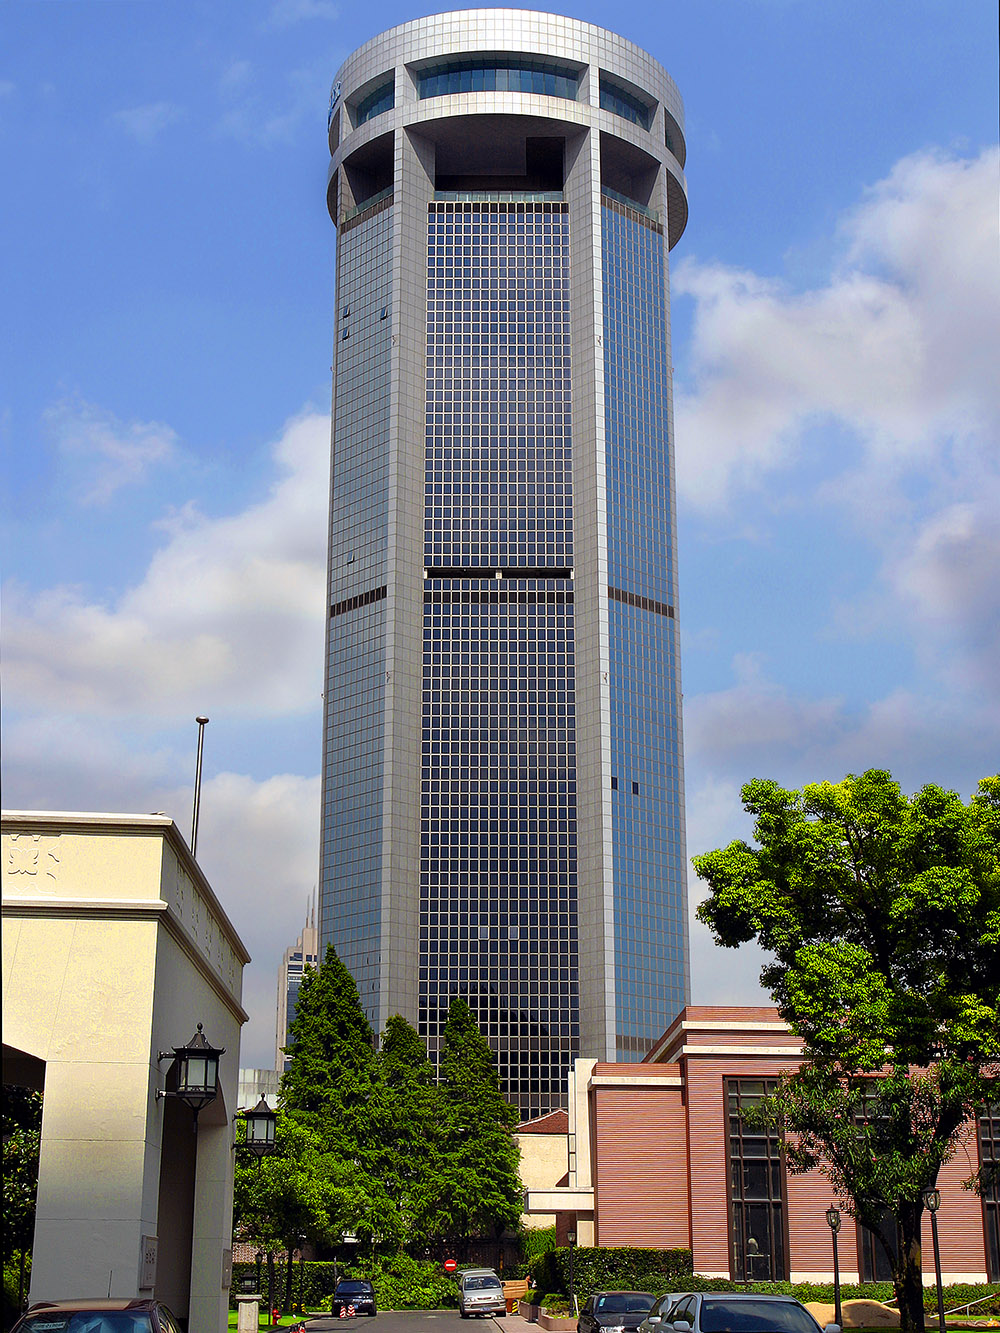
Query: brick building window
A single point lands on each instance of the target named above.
(875, 1264)
(756, 1188)
(989, 1160)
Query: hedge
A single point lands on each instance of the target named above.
(615, 1268)
(401, 1283)
(643, 1276)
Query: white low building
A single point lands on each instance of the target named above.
(115, 948)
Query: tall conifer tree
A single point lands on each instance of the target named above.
(333, 1069)
(480, 1190)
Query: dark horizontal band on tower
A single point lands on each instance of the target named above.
(510, 572)
(643, 603)
(361, 599)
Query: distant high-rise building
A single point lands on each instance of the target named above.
(297, 957)
(503, 780)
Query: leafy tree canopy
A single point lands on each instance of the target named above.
(372, 1142)
(479, 1190)
(882, 913)
(22, 1123)
(332, 1064)
(306, 1190)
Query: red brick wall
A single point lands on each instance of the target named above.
(960, 1217)
(640, 1166)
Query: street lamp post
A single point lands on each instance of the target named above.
(260, 1137)
(571, 1238)
(196, 1067)
(833, 1222)
(932, 1202)
(302, 1273)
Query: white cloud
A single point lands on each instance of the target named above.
(949, 577)
(258, 841)
(113, 453)
(900, 346)
(227, 617)
(144, 123)
(759, 728)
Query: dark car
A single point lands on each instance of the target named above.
(659, 1311)
(614, 1310)
(97, 1316)
(354, 1296)
(741, 1312)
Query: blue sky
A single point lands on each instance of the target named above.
(168, 266)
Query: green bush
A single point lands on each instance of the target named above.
(670, 1270)
(401, 1283)
(11, 1312)
(620, 1268)
(537, 1241)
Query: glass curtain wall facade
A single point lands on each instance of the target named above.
(503, 778)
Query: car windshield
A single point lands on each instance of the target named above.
(481, 1283)
(624, 1302)
(87, 1321)
(353, 1288)
(755, 1317)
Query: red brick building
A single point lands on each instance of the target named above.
(657, 1155)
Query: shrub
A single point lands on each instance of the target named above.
(620, 1268)
(401, 1283)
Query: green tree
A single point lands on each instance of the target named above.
(333, 1069)
(22, 1127)
(333, 1089)
(304, 1189)
(479, 1191)
(882, 914)
(406, 1111)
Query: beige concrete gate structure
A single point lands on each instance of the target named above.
(114, 949)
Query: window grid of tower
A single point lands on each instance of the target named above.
(498, 828)
(352, 795)
(498, 478)
(498, 920)
(649, 893)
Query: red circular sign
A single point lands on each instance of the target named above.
(450, 1265)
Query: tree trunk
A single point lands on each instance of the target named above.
(907, 1270)
(288, 1278)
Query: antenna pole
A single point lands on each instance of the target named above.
(202, 721)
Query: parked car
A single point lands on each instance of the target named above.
(355, 1296)
(480, 1292)
(614, 1310)
(97, 1316)
(740, 1312)
(659, 1311)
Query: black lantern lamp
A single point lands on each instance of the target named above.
(833, 1222)
(260, 1129)
(196, 1066)
(932, 1202)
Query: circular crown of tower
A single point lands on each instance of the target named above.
(469, 72)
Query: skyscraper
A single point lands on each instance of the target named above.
(296, 958)
(503, 780)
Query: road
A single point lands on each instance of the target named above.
(418, 1321)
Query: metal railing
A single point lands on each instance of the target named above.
(500, 196)
(370, 202)
(650, 213)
